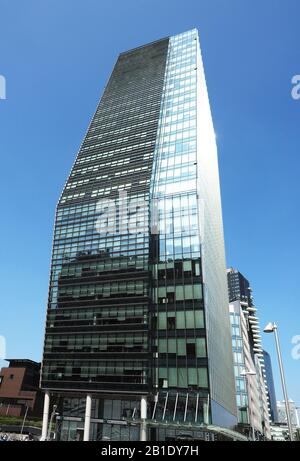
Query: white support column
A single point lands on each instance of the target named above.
(143, 428)
(87, 418)
(45, 416)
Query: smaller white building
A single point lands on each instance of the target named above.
(279, 433)
(251, 395)
(282, 419)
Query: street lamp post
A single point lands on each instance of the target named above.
(272, 328)
(246, 374)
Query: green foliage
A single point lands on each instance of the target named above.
(13, 420)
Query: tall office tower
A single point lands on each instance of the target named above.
(137, 330)
(238, 287)
(270, 386)
(248, 358)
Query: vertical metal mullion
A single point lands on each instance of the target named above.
(186, 405)
(165, 407)
(155, 405)
(175, 407)
(196, 410)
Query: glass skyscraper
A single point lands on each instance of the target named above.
(270, 387)
(137, 332)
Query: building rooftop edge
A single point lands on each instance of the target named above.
(156, 41)
(23, 361)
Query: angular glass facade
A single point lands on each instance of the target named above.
(176, 267)
(98, 319)
(138, 300)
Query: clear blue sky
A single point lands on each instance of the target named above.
(56, 57)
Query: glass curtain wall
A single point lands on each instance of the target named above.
(97, 326)
(179, 338)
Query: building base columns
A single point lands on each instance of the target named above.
(87, 418)
(143, 428)
(45, 416)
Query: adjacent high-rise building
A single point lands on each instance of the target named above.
(270, 386)
(238, 287)
(249, 368)
(137, 332)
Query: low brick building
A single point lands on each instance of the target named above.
(19, 388)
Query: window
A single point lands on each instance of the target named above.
(182, 377)
(171, 323)
(180, 319)
(163, 383)
(238, 357)
(172, 346)
(202, 377)
(192, 377)
(11, 376)
(162, 320)
(243, 416)
(240, 385)
(162, 346)
(197, 292)
(199, 315)
(181, 345)
(190, 319)
(201, 347)
(191, 350)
